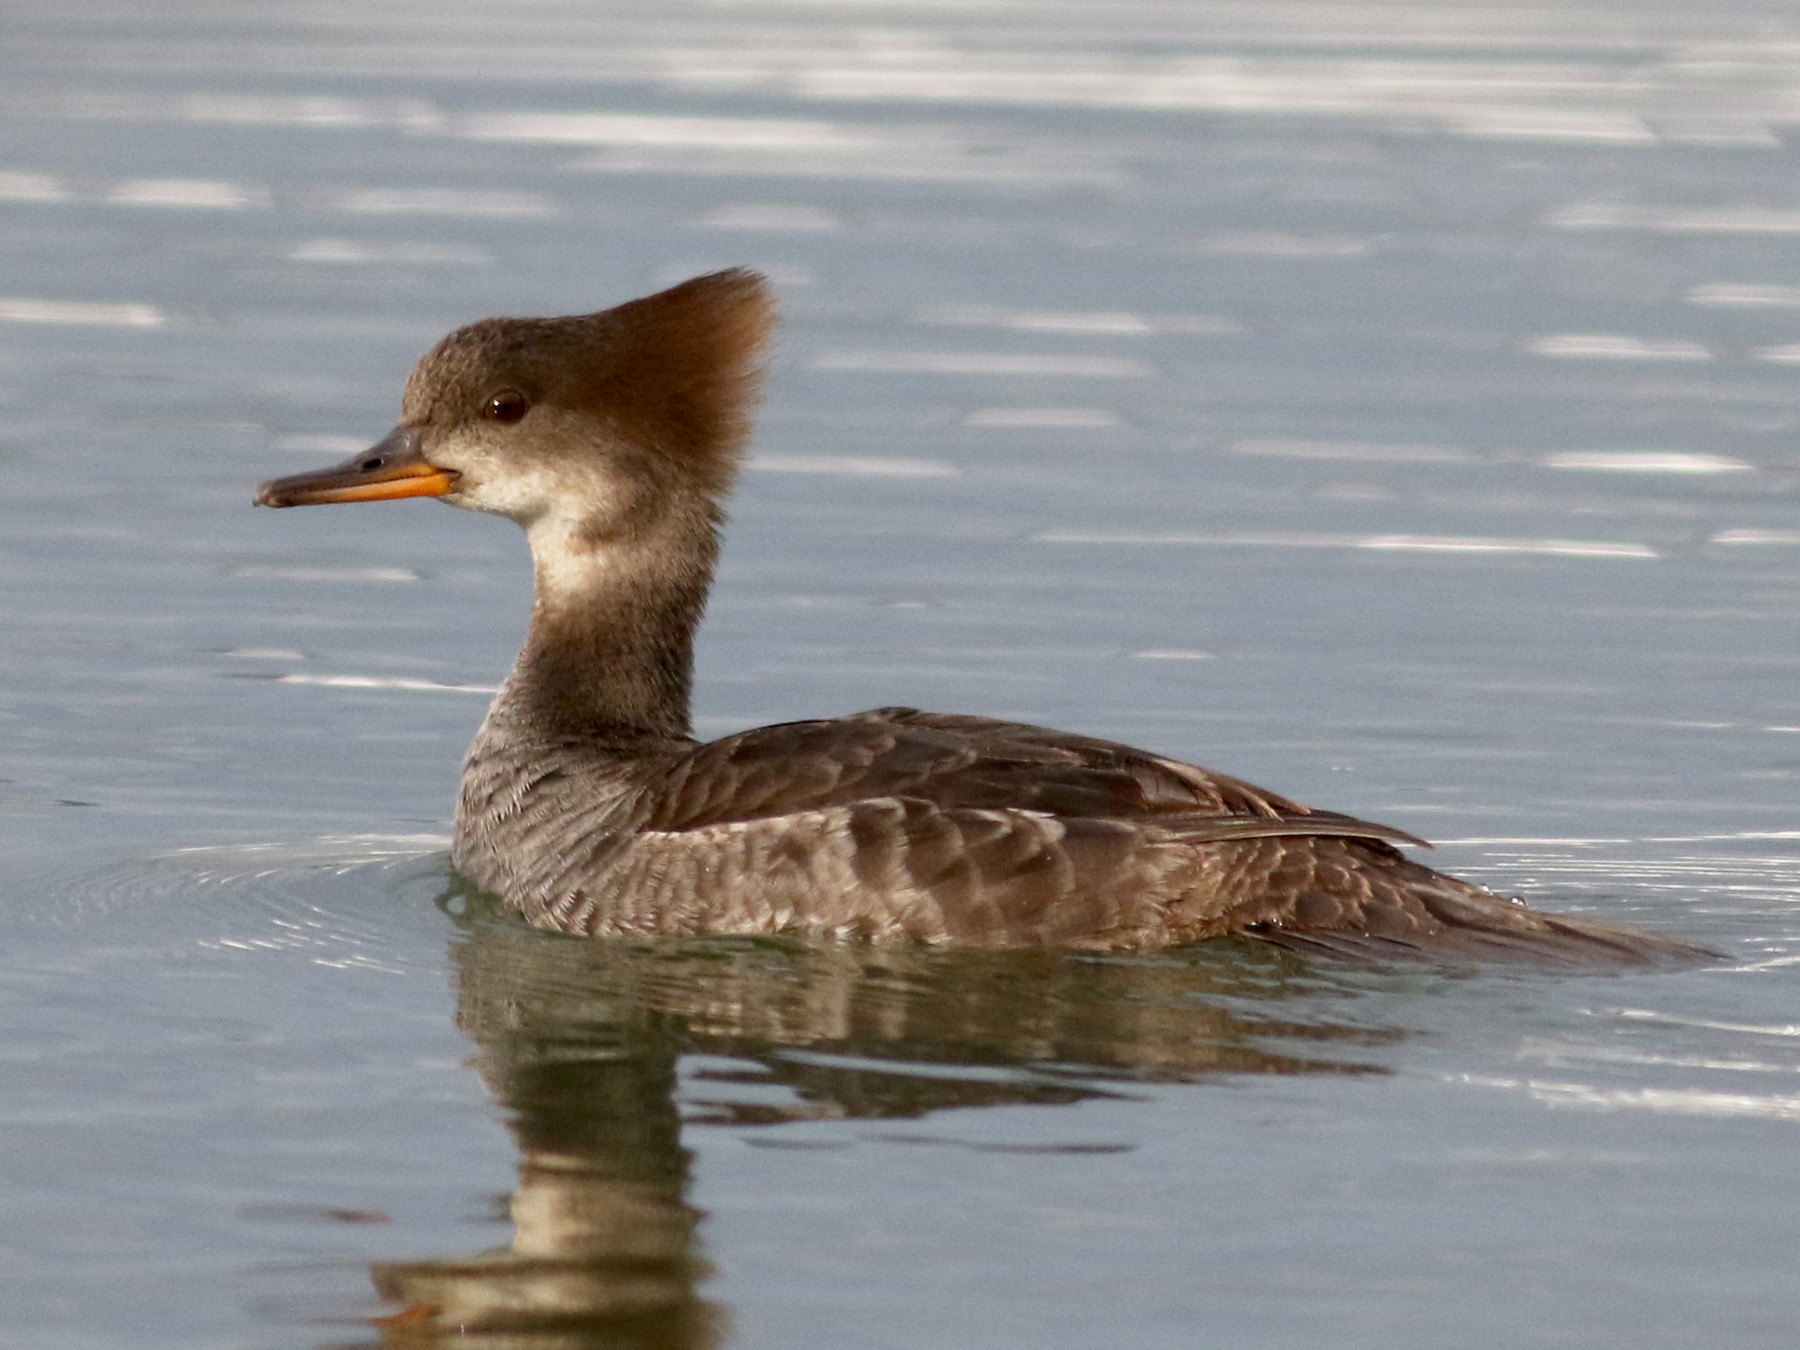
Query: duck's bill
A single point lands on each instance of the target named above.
(391, 469)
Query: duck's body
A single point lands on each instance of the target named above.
(900, 824)
(588, 807)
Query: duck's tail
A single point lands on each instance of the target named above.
(1392, 907)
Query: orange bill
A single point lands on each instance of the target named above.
(390, 469)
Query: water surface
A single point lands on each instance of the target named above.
(1393, 405)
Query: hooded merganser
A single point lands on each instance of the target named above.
(588, 806)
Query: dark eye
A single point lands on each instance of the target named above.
(507, 406)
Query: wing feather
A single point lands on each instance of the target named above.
(973, 763)
(966, 830)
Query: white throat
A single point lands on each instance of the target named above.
(569, 562)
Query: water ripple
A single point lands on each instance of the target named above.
(1659, 1101)
(339, 901)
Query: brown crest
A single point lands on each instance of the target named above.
(684, 367)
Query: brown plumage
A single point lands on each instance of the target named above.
(587, 805)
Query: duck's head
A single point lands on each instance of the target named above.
(592, 425)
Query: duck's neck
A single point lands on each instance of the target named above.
(610, 654)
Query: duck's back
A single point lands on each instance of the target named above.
(900, 824)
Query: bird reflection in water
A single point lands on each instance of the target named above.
(581, 1041)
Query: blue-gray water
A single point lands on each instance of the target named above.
(1395, 405)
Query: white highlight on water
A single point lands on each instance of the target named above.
(81, 312)
(388, 682)
(266, 572)
(1569, 548)
(854, 466)
(1042, 419)
(983, 363)
(1646, 461)
(1614, 347)
(189, 194)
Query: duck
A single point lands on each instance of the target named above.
(588, 806)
